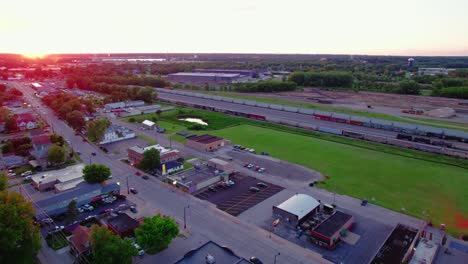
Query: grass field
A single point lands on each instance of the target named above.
(148, 139)
(395, 182)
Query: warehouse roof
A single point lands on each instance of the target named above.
(299, 204)
(220, 254)
(203, 74)
(205, 139)
(63, 175)
(333, 224)
(219, 161)
(148, 123)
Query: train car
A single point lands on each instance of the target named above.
(255, 116)
(340, 118)
(441, 143)
(404, 137)
(330, 130)
(422, 140)
(359, 121)
(307, 126)
(375, 138)
(406, 128)
(400, 143)
(353, 134)
(462, 146)
(428, 148)
(322, 115)
(455, 153)
(382, 124)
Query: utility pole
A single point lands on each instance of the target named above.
(185, 220)
(128, 189)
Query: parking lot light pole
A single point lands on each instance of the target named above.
(276, 256)
(185, 220)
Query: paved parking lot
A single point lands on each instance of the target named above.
(238, 198)
(118, 149)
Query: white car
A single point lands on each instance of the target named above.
(231, 182)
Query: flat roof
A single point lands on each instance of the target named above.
(425, 252)
(333, 224)
(299, 204)
(63, 186)
(204, 74)
(221, 254)
(205, 139)
(395, 247)
(194, 176)
(148, 123)
(67, 174)
(219, 161)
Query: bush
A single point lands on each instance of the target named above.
(452, 92)
(323, 79)
(131, 120)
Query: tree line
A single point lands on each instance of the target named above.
(70, 108)
(323, 79)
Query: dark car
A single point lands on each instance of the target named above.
(145, 177)
(262, 185)
(364, 202)
(133, 209)
(133, 190)
(254, 189)
(93, 153)
(213, 189)
(265, 153)
(255, 260)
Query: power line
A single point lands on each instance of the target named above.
(22, 189)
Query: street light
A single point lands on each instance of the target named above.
(185, 221)
(276, 256)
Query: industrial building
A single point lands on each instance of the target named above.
(197, 178)
(64, 179)
(121, 105)
(135, 153)
(206, 142)
(328, 233)
(433, 71)
(243, 73)
(398, 246)
(210, 252)
(201, 78)
(296, 209)
(220, 164)
(56, 204)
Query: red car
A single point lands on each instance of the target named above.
(85, 140)
(137, 173)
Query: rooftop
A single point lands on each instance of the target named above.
(123, 222)
(41, 140)
(299, 204)
(148, 123)
(219, 161)
(204, 74)
(396, 245)
(67, 174)
(221, 254)
(205, 139)
(199, 173)
(425, 252)
(333, 224)
(63, 186)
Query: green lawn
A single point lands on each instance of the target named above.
(440, 123)
(171, 127)
(148, 139)
(394, 181)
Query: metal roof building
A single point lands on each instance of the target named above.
(296, 209)
(216, 253)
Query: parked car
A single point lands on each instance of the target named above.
(93, 153)
(247, 165)
(47, 221)
(262, 185)
(261, 170)
(252, 150)
(254, 189)
(265, 153)
(26, 173)
(88, 207)
(250, 166)
(256, 168)
(80, 210)
(84, 140)
(145, 177)
(213, 189)
(79, 153)
(133, 190)
(231, 182)
(364, 202)
(255, 260)
(27, 178)
(222, 185)
(133, 209)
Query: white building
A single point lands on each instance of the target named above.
(116, 133)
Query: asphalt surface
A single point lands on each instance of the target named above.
(203, 219)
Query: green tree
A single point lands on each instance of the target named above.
(76, 119)
(19, 239)
(96, 173)
(3, 181)
(72, 211)
(57, 139)
(131, 120)
(108, 248)
(10, 124)
(150, 161)
(97, 128)
(409, 87)
(56, 154)
(157, 232)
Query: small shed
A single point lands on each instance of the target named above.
(149, 124)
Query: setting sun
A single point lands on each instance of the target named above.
(34, 55)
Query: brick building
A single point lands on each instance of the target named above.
(206, 142)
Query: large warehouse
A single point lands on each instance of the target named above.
(202, 77)
(296, 209)
(206, 142)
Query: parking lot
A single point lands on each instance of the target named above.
(118, 149)
(237, 198)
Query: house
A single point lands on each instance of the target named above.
(116, 133)
(40, 145)
(211, 252)
(135, 154)
(171, 167)
(80, 242)
(26, 121)
(123, 225)
(206, 142)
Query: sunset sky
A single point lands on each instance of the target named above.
(398, 27)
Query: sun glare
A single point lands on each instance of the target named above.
(34, 55)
